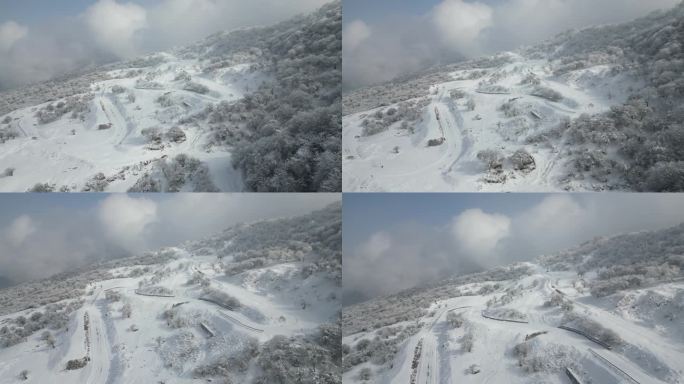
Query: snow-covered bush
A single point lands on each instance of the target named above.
(506, 314)
(530, 79)
(155, 290)
(147, 84)
(365, 374)
(179, 350)
(372, 127)
(221, 298)
(455, 320)
(511, 109)
(174, 318)
(229, 365)
(126, 310)
(7, 134)
(592, 328)
(522, 161)
(436, 142)
(152, 134)
(470, 104)
(11, 336)
(112, 296)
(182, 76)
(97, 183)
(117, 89)
(305, 153)
(77, 105)
(23, 375)
(296, 360)
(175, 134)
(200, 279)
(557, 300)
(666, 177)
(536, 356)
(473, 369)
(166, 100)
(48, 338)
(457, 94)
(547, 93)
(42, 188)
(76, 363)
(146, 183)
(196, 87)
(492, 158)
(235, 268)
(184, 169)
(606, 287)
(8, 172)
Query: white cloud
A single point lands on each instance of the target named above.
(55, 239)
(111, 29)
(126, 219)
(479, 233)
(354, 34)
(115, 25)
(477, 239)
(193, 215)
(459, 24)
(10, 33)
(557, 217)
(376, 246)
(20, 230)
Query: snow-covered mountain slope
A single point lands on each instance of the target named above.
(597, 109)
(192, 119)
(258, 303)
(608, 311)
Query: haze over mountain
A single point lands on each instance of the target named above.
(387, 39)
(255, 303)
(608, 310)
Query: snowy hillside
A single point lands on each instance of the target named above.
(254, 109)
(259, 303)
(597, 109)
(608, 311)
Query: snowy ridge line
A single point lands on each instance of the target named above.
(240, 323)
(618, 369)
(109, 289)
(137, 292)
(508, 320)
(595, 340)
(572, 376)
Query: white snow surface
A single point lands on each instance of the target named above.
(156, 352)
(372, 164)
(70, 151)
(653, 352)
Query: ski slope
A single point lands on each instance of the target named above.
(109, 139)
(174, 301)
(648, 355)
(397, 161)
